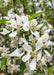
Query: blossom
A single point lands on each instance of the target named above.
(39, 45)
(5, 31)
(13, 34)
(27, 47)
(29, 41)
(32, 65)
(26, 57)
(16, 53)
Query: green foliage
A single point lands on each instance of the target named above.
(27, 37)
(34, 15)
(3, 63)
(22, 66)
(6, 37)
(2, 21)
(14, 59)
(50, 69)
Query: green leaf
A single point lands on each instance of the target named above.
(2, 21)
(50, 69)
(34, 15)
(27, 37)
(44, 25)
(3, 63)
(6, 37)
(14, 59)
(22, 66)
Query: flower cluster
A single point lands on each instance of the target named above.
(30, 43)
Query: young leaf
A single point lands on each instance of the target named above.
(22, 66)
(6, 37)
(50, 69)
(2, 21)
(3, 63)
(14, 59)
(34, 15)
(27, 37)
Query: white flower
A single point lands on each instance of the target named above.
(39, 26)
(47, 31)
(44, 60)
(27, 47)
(31, 38)
(27, 73)
(47, 53)
(48, 43)
(25, 23)
(18, 20)
(5, 31)
(25, 27)
(44, 28)
(31, 66)
(24, 19)
(13, 34)
(26, 57)
(21, 40)
(39, 55)
(33, 22)
(11, 13)
(36, 34)
(38, 45)
(16, 53)
(37, 4)
(49, 3)
(13, 23)
(44, 37)
(49, 26)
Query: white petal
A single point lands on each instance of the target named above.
(43, 60)
(26, 57)
(16, 53)
(44, 28)
(21, 40)
(39, 44)
(44, 37)
(27, 47)
(33, 22)
(13, 24)
(18, 19)
(24, 19)
(30, 38)
(39, 55)
(47, 31)
(5, 31)
(25, 28)
(33, 64)
(27, 73)
(48, 43)
(47, 53)
(36, 34)
(39, 26)
(13, 34)
(49, 25)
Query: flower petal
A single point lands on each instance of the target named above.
(26, 57)
(13, 34)
(39, 44)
